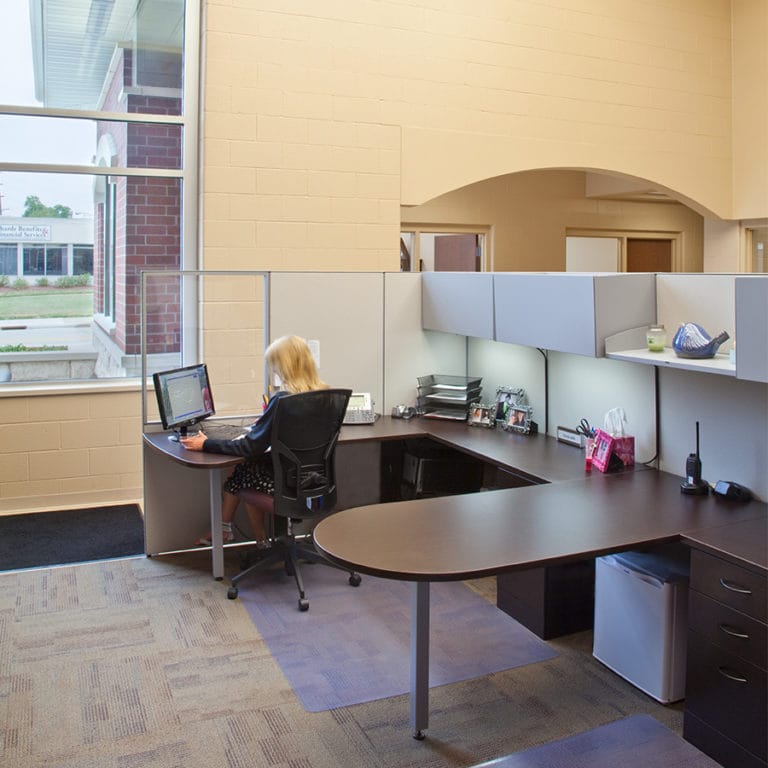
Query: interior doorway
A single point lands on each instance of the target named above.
(594, 251)
(443, 249)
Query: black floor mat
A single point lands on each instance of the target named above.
(70, 536)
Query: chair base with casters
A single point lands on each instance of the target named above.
(290, 550)
(305, 431)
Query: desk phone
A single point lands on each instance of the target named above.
(360, 409)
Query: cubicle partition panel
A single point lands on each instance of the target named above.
(510, 365)
(706, 299)
(584, 387)
(733, 426)
(410, 351)
(341, 314)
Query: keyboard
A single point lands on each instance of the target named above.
(220, 431)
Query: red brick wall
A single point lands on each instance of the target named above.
(148, 216)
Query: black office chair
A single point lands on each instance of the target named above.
(304, 435)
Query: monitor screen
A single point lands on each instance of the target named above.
(184, 396)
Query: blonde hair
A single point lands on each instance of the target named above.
(290, 358)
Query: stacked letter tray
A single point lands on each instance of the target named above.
(441, 396)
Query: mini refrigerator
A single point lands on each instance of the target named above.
(641, 614)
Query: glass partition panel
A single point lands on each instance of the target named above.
(216, 318)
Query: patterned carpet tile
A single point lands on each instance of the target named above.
(145, 663)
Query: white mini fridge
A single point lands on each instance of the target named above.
(641, 615)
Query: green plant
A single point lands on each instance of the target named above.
(4, 281)
(73, 281)
(20, 284)
(43, 282)
(25, 348)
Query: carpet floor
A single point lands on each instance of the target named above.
(352, 645)
(144, 663)
(71, 536)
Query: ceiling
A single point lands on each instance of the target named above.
(73, 43)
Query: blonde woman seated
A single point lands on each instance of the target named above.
(290, 358)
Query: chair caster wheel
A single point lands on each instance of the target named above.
(232, 593)
(303, 604)
(354, 579)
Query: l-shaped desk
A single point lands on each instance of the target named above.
(562, 515)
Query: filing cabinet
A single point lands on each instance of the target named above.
(726, 708)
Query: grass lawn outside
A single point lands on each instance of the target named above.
(31, 303)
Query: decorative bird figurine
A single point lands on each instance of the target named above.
(691, 340)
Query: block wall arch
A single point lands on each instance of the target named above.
(436, 162)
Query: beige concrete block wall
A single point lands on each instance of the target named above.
(73, 450)
(750, 108)
(322, 119)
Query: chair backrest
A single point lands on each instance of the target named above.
(304, 435)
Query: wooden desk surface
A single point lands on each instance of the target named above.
(538, 457)
(474, 535)
(160, 443)
(742, 542)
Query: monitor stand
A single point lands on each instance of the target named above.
(180, 432)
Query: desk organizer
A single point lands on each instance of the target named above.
(441, 396)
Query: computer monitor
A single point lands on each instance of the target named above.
(184, 397)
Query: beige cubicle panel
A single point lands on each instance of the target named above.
(410, 351)
(341, 314)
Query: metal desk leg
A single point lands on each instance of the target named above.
(419, 658)
(217, 540)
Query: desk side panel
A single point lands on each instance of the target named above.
(176, 504)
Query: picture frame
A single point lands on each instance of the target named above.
(506, 397)
(482, 415)
(601, 454)
(518, 419)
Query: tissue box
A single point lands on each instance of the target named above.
(607, 447)
(624, 448)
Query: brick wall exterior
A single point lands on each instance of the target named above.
(148, 217)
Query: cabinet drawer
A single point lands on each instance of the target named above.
(729, 584)
(727, 692)
(731, 630)
(717, 746)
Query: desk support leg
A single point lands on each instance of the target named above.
(217, 540)
(419, 658)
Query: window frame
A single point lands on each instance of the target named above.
(188, 174)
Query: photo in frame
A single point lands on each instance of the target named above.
(482, 415)
(518, 419)
(507, 397)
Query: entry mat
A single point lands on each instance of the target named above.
(638, 741)
(38, 539)
(352, 645)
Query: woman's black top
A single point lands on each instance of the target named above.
(256, 440)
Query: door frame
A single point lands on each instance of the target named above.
(622, 235)
(483, 231)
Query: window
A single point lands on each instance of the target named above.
(82, 260)
(443, 249)
(44, 261)
(9, 260)
(118, 128)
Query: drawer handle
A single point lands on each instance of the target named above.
(733, 588)
(733, 632)
(731, 675)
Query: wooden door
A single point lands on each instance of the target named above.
(457, 253)
(649, 255)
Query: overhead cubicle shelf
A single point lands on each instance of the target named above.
(458, 302)
(571, 311)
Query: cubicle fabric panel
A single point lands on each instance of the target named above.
(341, 314)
